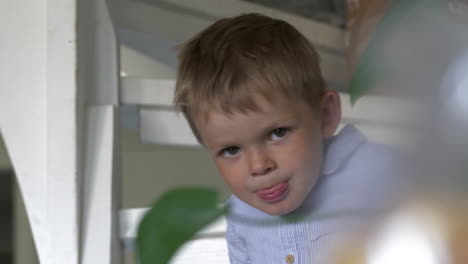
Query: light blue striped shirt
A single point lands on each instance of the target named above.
(357, 179)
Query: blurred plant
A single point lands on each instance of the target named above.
(173, 220)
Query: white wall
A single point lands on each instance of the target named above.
(4, 159)
(24, 251)
(148, 171)
(136, 63)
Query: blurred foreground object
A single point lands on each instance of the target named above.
(419, 233)
(402, 48)
(459, 7)
(418, 49)
(363, 17)
(454, 90)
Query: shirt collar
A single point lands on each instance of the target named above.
(339, 148)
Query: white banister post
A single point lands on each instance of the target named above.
(23, 112)
(58, 94)
(98, 61)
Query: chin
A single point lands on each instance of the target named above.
(280, 209)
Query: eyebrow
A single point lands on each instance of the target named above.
(280, 121)
(266, 130)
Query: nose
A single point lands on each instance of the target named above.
(260, 162)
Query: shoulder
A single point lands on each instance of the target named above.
(350, 150)
(376, 155)
(366, 174)
(379, 162)
(351, 147)
(378, 171)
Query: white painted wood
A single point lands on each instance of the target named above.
(192, 16)
(129, 220)
(98, 62)
(143, 17)
(208, 250)
(23, 110)
(383, 119)
(137, 63)
(328, 40)
(100, 197)
(63, 172)
(371, 108)
(187, 18)
(165, 127)
(49, 60)
(321, 34)
(98, 54)
(142, 91)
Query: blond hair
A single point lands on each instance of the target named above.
(234, 58)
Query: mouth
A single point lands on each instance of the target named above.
(275, 193)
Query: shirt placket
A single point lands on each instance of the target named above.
(288, 235)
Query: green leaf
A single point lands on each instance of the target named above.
(173, 220)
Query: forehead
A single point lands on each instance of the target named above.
(257, 102)
(215, 125)
(260, 106)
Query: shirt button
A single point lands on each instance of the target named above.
(290, 259)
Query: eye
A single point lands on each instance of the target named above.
(279, 133)
(230, 151)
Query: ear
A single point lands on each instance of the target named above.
(330, 113)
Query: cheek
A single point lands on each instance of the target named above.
(307, 156)
(309, 138)
(232, 175)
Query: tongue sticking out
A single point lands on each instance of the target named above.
(271, 189)
(274, 193)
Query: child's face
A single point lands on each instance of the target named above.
(271, 158)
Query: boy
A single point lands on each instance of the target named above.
(252, 91)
